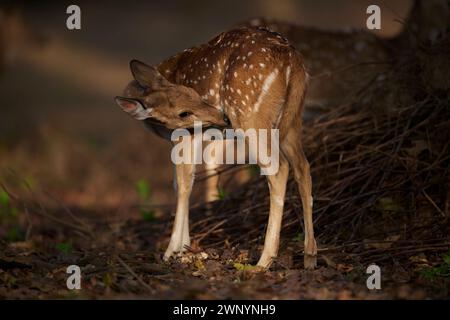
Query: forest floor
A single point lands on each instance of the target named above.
(126, 263)
(120, 258)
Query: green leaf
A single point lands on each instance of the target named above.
(388, 204)
(254, 170)
(31, 182)
(244, 267)
(222, 193)
(14, 212)
(435, 272)
(13, 234)
(442, 270)
(4, 198)
(108, 280)
(148, 215)
(299, 237)
(446, 258)
(143, 189)
(64, 247)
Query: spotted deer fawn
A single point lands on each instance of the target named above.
(246, 78)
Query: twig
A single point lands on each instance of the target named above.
(138, 279)
(433, 203)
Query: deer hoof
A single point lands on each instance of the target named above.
(310, 261)
(167, 255)
(264, 262)
(170, 252)
(177, 248)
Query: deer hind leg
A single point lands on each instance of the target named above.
(300, 165)
(212, 182)
(277, 187)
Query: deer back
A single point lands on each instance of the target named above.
(246, 72)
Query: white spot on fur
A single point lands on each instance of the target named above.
(265, 87)
(288, 74)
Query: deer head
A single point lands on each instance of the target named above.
(152, 97)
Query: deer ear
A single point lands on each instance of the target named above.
(147, 76)
(134, 108)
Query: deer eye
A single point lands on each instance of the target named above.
(185, 114)
(143, 89)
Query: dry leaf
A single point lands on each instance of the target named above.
(344, 267)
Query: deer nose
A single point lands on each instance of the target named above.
(222, 120)
(226, 120)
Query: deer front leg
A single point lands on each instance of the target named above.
(277, 188)
(184, 178)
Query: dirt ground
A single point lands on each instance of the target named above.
(123, 260)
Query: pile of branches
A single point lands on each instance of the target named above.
(380, 167)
